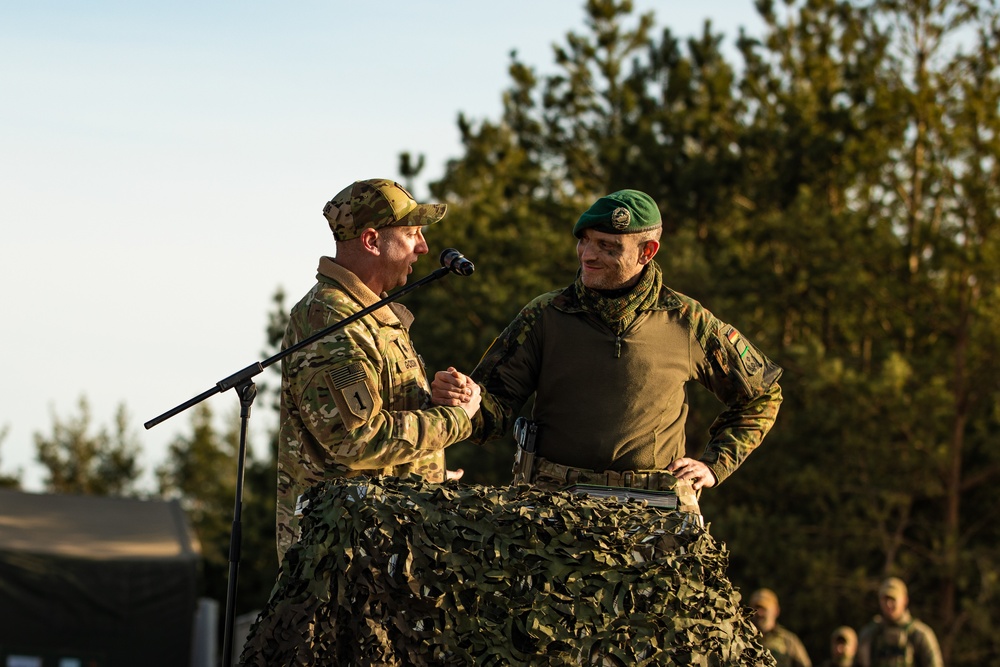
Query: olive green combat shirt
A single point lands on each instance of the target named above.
(357, 401)
(609, 402)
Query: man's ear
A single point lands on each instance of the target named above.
(647, 250)
(370, 241)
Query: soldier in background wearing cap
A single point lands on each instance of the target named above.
(783, 644)
(843, 647)
(357, 402)
(894, 638)
(608, 359)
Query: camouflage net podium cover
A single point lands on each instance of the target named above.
(402, 572)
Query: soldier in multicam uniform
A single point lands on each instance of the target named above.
(357, 402)
(608, 359)
(894, 638)
(783, 644)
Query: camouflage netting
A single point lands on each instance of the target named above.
(402, 572)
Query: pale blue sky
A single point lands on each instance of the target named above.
(163, 167)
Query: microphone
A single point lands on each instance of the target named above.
(456, 262)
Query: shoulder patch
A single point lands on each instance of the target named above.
(358, 400)
(745, 352)
(347, 375)
(353, 393)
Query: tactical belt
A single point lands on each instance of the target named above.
(554, 476)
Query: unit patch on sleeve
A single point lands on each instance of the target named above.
(352, 394)
(743, 350)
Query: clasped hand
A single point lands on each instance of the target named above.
(456, 389)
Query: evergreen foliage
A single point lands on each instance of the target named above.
(201, 470)
(834, 195)
(104, 463)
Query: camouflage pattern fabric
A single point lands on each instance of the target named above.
(625, 408)
(377, 203)
(356, 402)
(906, 643)
(400, 572)
(619, 312)
(786, 648)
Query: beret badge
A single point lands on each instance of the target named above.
(620, 218)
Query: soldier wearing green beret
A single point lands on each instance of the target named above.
(895, 638)
(357, 402)
(608, 359)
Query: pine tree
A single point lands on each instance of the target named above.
(104, 463)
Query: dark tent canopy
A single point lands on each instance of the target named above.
(95, 581)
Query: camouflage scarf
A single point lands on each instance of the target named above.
(618, 310)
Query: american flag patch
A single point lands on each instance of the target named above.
(347, 375)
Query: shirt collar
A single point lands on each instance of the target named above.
(390, 314)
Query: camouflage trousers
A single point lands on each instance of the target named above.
(554, 476)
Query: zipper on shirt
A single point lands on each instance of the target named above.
(619, 337)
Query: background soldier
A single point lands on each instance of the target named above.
(843, 647)
(894, 638)
(783, 644)
(357, 402)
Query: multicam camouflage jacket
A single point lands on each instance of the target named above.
(606, 401)
(357, 401)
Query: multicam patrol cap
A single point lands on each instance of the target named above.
(894, 588)
(375, 203)
(622, 212)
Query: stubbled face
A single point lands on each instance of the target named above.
(399, 248)
(609, 261)
(765, 616)
(892, 608)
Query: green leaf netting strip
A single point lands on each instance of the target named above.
(401, 572)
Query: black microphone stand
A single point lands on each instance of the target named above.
(243, 383)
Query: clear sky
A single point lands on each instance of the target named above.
(163, 169)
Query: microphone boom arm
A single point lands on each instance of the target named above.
(256, 368)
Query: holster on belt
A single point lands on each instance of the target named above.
(525, 434)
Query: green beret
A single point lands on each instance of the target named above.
(622, 212)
